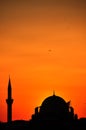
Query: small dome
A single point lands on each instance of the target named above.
(55, 105)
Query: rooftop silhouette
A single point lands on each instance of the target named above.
(53, 113)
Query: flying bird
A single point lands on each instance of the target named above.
(49, 50)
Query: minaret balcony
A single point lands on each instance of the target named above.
(9, 101)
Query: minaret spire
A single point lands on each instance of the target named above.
(9, 102)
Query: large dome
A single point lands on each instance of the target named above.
(54, 105)
(54, 100)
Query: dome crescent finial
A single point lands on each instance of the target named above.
(53, 93)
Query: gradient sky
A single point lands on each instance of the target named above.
(42, 48)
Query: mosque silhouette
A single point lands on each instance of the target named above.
(54, 113)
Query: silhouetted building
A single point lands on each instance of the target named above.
(54, 111)
(9, 102)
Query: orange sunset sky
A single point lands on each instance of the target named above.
(42, 48)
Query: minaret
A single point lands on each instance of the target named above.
(9, 102)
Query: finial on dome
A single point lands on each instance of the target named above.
(53, 93)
